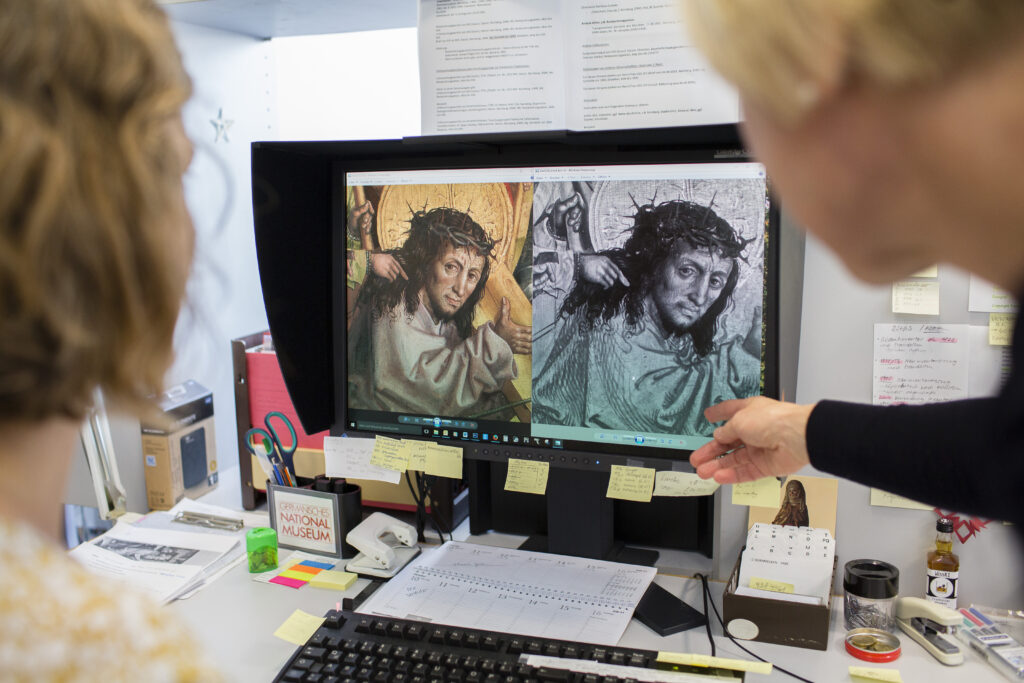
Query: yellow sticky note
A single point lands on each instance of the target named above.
(333, 579)
(390, 454)
(527, 476)
(669, 483)
(917, 297)
(873, 674)
(931, 271)
(880, 498)
(295, 574)
(631, 483)
(770, 585)
(297, 628)
(417, 454)
(443, 461)
(1000, 328)
(718, 662)
(762, 493)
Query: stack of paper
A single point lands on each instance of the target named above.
(165, 559)
(787, 563)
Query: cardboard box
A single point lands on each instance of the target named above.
(779, 621)
(181, 457)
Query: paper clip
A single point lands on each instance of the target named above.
(209, 521)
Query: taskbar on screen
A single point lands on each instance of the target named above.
(519, 434)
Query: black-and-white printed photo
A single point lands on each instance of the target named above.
(147, 552)
(647, 301)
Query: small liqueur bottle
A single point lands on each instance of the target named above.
(943, 566)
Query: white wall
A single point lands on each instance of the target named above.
(350, 86)
(232, 75)
(836, 353)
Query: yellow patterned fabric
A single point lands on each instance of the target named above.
(58, 622)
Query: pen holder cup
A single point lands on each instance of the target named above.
(350, 507)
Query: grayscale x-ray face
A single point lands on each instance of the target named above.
(647, 301)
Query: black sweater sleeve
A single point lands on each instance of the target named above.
(945, 454)
(963, 456)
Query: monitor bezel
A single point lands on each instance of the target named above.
(670, 145)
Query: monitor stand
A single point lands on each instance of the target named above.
(581, 520)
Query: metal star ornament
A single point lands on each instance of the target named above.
(220, 126)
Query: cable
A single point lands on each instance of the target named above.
(420, 498)
(435, 510)
(707, 598)
(420, 510)
(707, 615)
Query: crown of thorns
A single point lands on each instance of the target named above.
(438, 222)
(718, 235)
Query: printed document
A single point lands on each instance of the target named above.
(515, 591)
(163, 563)
(529, 65)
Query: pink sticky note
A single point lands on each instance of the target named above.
(285, 581)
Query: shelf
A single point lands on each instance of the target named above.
(280, 18)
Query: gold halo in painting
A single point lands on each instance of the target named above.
(486, 203)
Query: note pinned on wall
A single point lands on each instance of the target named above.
(443, 461)
(1000, 328)
(527, 476)
(761, 493)
(631, 483)
(392, 454)
(683, 484)
(920, 363)
(915, 297)
(350, 457)
(880, 498)
(984, 297)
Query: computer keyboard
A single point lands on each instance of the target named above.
(358, 647)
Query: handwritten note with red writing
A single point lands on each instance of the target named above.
(920, 363)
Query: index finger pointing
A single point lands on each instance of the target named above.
(726, 409)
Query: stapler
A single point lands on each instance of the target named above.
(378, 555)
(926, 622)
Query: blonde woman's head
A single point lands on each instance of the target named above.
(95, 240)
(786, 56)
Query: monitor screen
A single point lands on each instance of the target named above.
(573, 307)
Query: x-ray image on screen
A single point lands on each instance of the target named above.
(647, 304)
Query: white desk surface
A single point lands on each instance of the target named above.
(235, 617)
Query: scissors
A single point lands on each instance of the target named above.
(267, 443)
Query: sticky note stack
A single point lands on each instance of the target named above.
(333, 580)
(298, 575)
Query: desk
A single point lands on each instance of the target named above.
(235, 617)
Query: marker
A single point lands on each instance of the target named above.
(988, 622)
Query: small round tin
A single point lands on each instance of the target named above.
(872, 644)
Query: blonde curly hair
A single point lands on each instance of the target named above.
(786, 56)
(91, 207)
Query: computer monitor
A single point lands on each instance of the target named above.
(576, 299)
